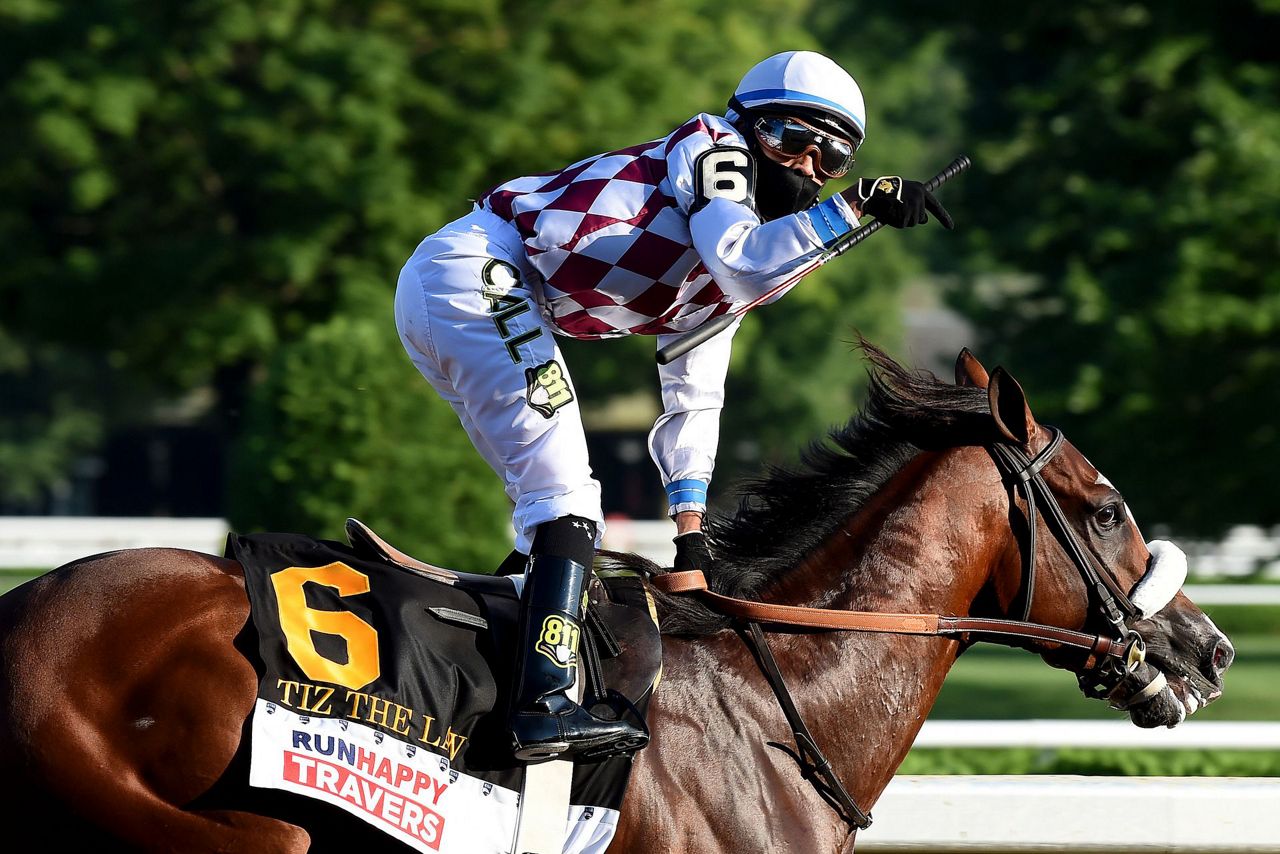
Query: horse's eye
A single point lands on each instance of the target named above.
(1108, 515)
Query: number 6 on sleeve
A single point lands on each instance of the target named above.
(724, 172)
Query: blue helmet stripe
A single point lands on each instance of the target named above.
(763, 96)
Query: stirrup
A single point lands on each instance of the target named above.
(621, 747)
(622, 708)
(541, 752)
(633, 733)
(547, 750)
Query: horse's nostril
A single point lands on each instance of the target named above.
(1222, 656)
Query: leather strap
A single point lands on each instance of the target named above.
(1024, 476)
(1022, 473)
(815, 767)
(793, 616)
(693, 581)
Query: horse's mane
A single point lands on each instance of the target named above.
(786, 512)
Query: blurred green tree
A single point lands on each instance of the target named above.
(1127, 179)
(342, 426)
(47, 420)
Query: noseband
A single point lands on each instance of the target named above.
(1110, 658)
(1099, 678)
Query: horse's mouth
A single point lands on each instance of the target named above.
(1184, 694)
(1193, 656)
(1193, 691)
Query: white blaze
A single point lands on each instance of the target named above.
(1164, 577)
(1103, 481)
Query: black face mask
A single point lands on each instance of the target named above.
(781, 191)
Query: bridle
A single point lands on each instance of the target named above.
(1110, 658)
(1106, 598)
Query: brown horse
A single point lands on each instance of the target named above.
(124, 695)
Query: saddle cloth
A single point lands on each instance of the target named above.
(384, 686)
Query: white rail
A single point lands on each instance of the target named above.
(1119, 734)
(43, 542)
(1233, 594)
(1084, 815)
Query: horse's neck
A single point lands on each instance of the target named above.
(916, 547)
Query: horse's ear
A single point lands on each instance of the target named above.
(1009, 408)
(969, 370)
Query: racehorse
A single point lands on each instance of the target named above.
(125, 695)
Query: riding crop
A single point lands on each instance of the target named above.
(708, 330)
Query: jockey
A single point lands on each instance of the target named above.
(655, 239)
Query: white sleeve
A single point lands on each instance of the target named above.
(684, 439)
(745, 256)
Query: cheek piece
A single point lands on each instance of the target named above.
(1165, 575)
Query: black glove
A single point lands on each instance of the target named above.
(899, 203)
(693, 551)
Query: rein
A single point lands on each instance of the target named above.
(1109, 659)
(794, 617)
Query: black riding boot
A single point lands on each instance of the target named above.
(545, 722)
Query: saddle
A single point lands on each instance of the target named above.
(622, 648)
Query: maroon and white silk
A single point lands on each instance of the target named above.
(619, 251)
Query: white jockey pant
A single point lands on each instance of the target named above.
(471, 324)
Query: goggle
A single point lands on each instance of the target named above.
(791, 137)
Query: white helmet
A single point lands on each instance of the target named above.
(802, 79)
